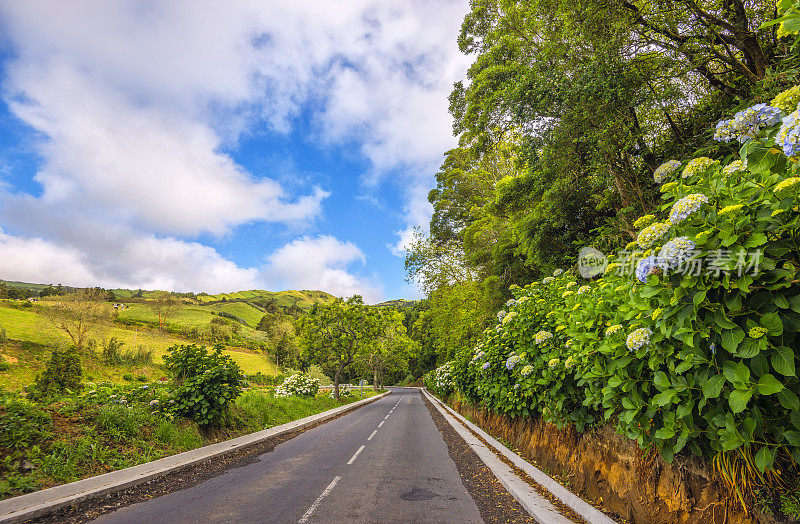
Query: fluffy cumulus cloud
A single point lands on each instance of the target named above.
(135, 105)
(320, 263)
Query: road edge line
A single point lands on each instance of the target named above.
(565, 496)
(30, 505)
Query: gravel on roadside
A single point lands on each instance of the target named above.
(492, 499)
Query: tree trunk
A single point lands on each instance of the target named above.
(375, 379)
(336, 383)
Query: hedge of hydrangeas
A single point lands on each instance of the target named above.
(696, 348)
(298, 384)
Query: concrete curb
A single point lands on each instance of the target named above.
(28, 506)
(569, 499)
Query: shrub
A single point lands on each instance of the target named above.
(440, 380)
(111, 352)
(206, 383)
(62, 374)
(298, 384)
(695, 351)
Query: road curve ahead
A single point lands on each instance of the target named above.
(384, 462)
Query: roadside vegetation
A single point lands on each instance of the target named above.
(678, 164)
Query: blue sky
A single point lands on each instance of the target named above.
(213, 146)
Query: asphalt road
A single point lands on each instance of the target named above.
(384, 462)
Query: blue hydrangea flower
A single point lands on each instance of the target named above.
(748, 123)
(666, 170)
(485, 366)
(723, 132)
(646, 266)
(675, 252)
(686, 206)
(512, 361)
(788, 138)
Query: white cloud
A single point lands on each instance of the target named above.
(320, 263)
(137, 103)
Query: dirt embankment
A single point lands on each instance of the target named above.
(609, 470)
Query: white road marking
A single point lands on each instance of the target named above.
(356, 455)
(373, 434)
(317, 502)
(381, 424)
(387, 416)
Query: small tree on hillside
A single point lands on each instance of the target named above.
(78, 313)
(164, 306)
(334, 334)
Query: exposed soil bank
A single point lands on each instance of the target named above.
(610, 470)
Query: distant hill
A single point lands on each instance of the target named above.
(398, 303)
(303, 299)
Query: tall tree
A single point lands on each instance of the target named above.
(333, 334)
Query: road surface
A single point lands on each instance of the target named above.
(384, 462)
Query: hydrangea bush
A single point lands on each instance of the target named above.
(440, 380)
(695, 350)
(298, 384)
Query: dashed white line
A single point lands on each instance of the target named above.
(381, 424)
(356, 455)
(373, 434)
(317, 502)
(387, 416)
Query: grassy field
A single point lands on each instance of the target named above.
(31, 336)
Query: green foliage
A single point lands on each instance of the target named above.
(704, 360)
(333, 334)
(22, 424)
(122, 422)
(206, 383)
(61, 375)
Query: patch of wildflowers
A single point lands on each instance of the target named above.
(583, 289)
(547, 280)
(611, 330)
(542, 336)
(527, 370)
(557, 272)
